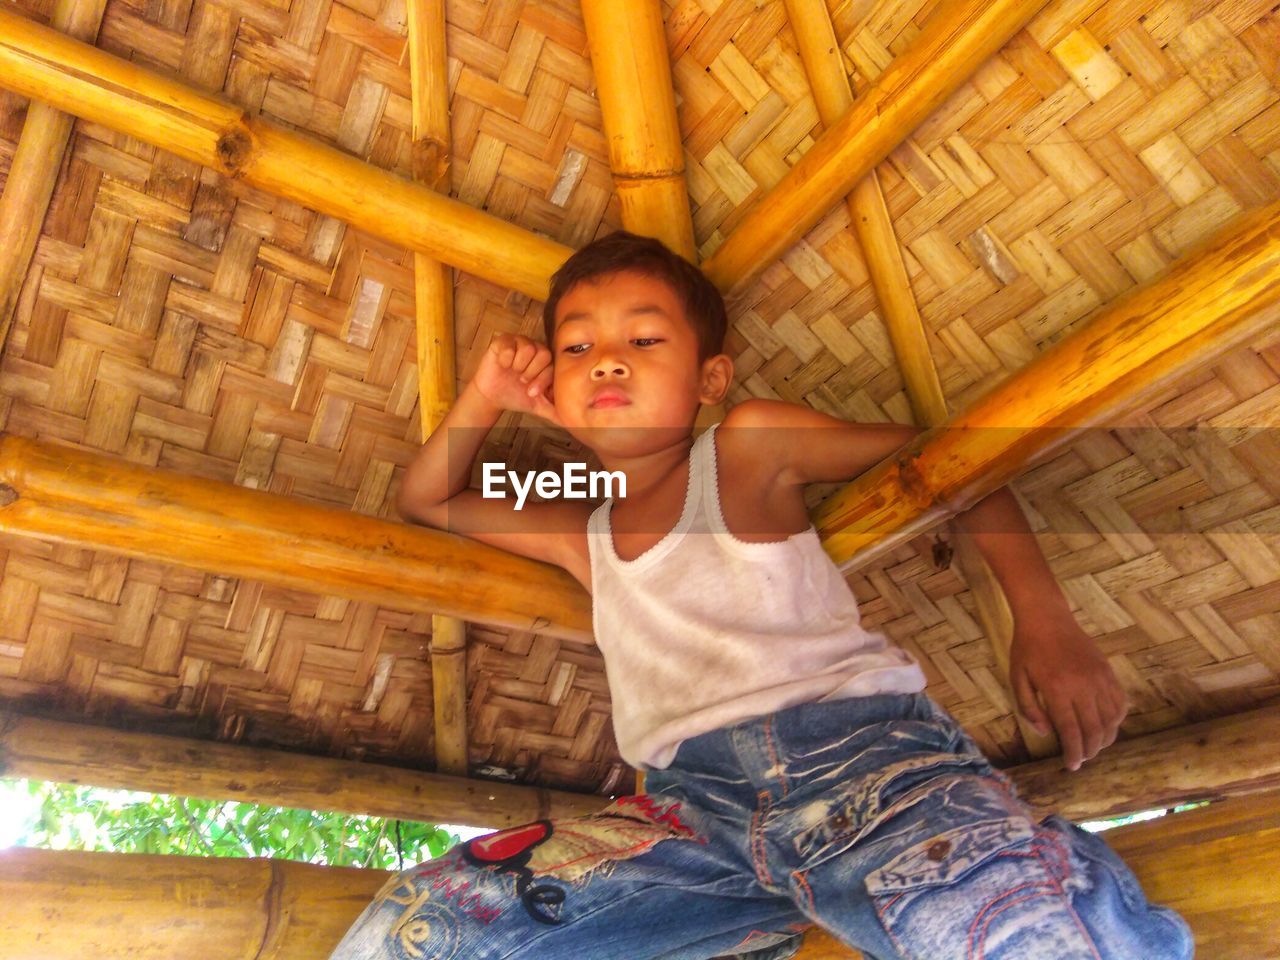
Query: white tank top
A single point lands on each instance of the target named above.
(704, 630)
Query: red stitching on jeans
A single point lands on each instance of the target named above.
(757, 838)
(1066, 902)
(773, 753)
(808, 891)
(888, 929)
(987, 906)
(983, 937)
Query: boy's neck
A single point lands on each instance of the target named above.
(647, 471)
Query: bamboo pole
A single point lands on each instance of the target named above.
(34, 170)
(40, 749)
(957, 38)
(1230, 756)
(638, 103)
(437, 376)
(1215, 866)
(68, 496)
(824, 65)
(68, 905)
(1209, 302)
(41, 63)
(633, 81)
(429, 86)
(449, 689)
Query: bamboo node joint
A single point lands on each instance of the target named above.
(913, 484)
(233, 150)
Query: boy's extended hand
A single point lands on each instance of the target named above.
(515, 373)
(1059, 675)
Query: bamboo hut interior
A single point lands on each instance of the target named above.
(250, 250)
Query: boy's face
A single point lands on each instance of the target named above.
(627, 357)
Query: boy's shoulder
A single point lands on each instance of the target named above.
(780, 436)
(761, 412)
(757, 436)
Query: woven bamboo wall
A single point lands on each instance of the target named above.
(180, 319)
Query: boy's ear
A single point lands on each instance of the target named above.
(717, 377)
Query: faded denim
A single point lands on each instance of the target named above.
(876, 818)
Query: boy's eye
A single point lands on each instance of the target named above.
(578, 348)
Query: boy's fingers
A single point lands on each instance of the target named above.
(542, 383)
(1110, 730)
(536, 366)
(1117, 709)
(523, 354)
(1068, 727)
(1028, 702)
(1091, 727)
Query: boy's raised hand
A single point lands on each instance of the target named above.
(516, 373)
(1059, 676)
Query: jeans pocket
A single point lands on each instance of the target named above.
(832, 822)
(980, 891)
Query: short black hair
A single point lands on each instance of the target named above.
(619, 251)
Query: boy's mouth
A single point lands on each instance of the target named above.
(610, 397)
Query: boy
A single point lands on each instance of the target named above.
(797, 773)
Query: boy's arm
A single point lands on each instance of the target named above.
(434, 488)
(1057, 671)
(1052, 661)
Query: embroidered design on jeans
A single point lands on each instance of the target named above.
(568, 850)
(425, 929)
(455, 888)
(512, 850)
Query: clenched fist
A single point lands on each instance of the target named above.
(515, 374)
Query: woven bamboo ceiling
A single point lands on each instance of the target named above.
(181, 319)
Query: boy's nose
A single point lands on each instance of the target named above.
(609, 368)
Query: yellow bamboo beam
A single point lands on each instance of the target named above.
(429, 86)
(1209, 302)
(1215, 866)
(957, 38)
(633, 82)
(437, 376)
(638, 103)
(68, 496)
(1226, 757)
(824, 65)
(449, 693)
(39, 749)
(43, 64)
(68, 905)
(34, 169)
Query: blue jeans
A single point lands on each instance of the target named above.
(876, 818)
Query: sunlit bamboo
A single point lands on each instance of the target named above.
(41, 63)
